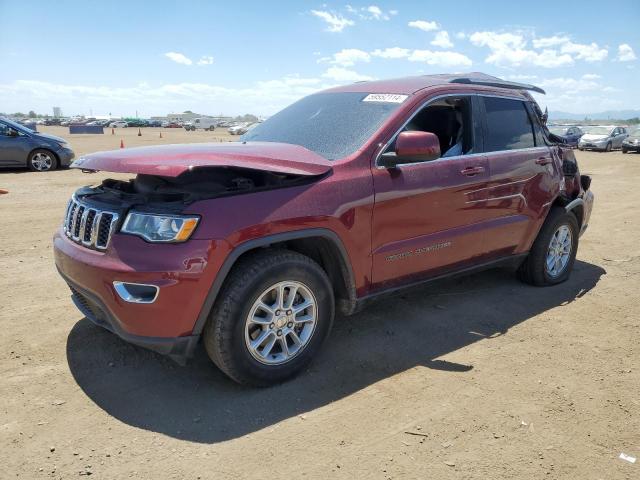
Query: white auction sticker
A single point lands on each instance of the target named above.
(385, 98)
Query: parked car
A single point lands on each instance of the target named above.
(137, 122)
(23, 147)
(604, 138)
(171, 125)
(52, 121)
(343, 196)
(154, 123)
(235, 129)
(632, 142)
(119, 124)
(201, 123)
(568, 133)
(246, 128)
(30, 124)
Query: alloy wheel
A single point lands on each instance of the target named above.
(559, 251)
(281, 322)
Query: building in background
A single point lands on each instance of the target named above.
(57, 112)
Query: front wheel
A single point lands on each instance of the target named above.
(42, 161)
(553, 253)
(273, 314)
(608, 147)
(624, 150)
(212, 128)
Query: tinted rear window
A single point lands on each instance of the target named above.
(508, 125)
(332, 125)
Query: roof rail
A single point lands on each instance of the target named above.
(490, 82)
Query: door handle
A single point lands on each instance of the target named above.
(543, 161)
(471, 171)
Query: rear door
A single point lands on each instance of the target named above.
(522, 168)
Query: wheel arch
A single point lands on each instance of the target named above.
(322, 245)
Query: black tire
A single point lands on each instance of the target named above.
(212, 128)
(608, 147)
(35, 162)
(224, 334)
(533, 270)
(624, 150)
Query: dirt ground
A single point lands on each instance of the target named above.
(479, 377)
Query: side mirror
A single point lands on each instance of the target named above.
(412, 147)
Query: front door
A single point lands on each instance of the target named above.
(13, 148)
(429, 216)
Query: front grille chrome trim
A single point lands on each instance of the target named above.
(78, 227)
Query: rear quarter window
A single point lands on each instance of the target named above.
(508, 125)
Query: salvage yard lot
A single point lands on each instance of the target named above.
(476, 377)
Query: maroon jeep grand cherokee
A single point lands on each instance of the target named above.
(342, 196)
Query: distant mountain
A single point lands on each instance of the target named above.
(609, 114)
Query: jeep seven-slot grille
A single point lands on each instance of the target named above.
(88, 225)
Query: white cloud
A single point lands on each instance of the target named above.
(261, 97)
(441, 59)
(569, 85)
(344, 75)
(424, 25)
(547, 42)
(509, 49)
(626, 53)
(335, 22)
(205, 60)
(591, 76)
(178, 58)
(442, 40)
(461, 35)
(347, 57)
(521, 77)
(588, 53)
(392, 52)
(372, 12)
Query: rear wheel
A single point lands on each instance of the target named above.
(553, 253)
(273, 314)
(42, 160)
(212, 128)
(624, 150)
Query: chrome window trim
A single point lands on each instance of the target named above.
(453, 157)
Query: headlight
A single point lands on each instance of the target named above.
(160, 228)
(64, 145)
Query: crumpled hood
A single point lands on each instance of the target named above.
(173, 160)
(593, 137)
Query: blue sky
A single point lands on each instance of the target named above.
(215, 57)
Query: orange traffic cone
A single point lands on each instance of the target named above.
(160, 134)
(113, 131)
(121, 143)
(3, 192)
(139, 133)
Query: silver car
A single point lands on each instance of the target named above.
(604, 138)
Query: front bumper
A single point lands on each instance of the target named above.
(183, 274)
(631, 147)
(66, 156)
(592, 146)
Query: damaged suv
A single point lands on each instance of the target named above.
(252, 247)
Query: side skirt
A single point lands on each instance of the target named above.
(511, 262)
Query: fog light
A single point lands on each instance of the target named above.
(136, 292)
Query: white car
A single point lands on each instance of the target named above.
(236, 129)
(201, 123)
(600, 137)
(119, 124)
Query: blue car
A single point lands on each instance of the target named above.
(570, 134)
(22, 147)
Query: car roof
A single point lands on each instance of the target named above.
(411, 85)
